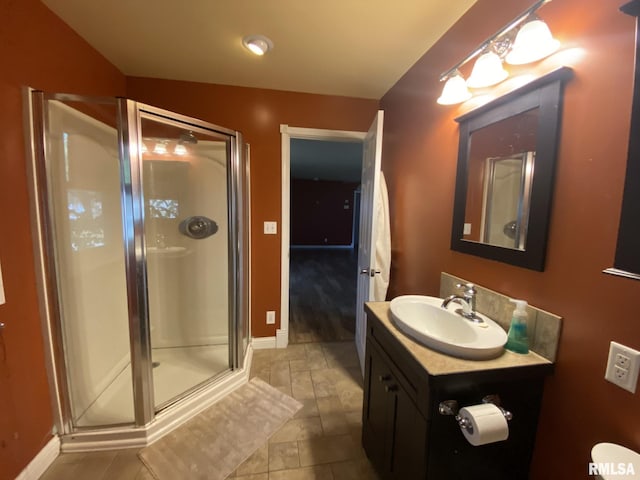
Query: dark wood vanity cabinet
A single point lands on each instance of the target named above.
(394, 430)
(406, 438)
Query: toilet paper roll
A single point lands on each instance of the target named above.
(488, 424)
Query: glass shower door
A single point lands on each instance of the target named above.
(84, 213)
(186, 231)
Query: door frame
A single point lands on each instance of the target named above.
(287, 133)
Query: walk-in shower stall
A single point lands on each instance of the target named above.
(140, 216)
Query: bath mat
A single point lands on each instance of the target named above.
(213, 444)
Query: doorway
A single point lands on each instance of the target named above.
(317, 254)
(325, 176)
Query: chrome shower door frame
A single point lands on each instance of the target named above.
(132, 113)
(129, 115)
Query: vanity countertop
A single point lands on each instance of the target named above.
(436, 363)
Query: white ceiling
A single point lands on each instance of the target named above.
(357, 48)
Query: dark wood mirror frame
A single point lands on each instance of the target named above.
(627, 259)
(544, 93)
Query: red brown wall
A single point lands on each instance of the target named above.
(258, 114)
(419, 156)
(37, 50)
(318, 213)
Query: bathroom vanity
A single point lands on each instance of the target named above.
(404, 434)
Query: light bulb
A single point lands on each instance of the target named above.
(533, 42)
(454, 91)
(160, 148)
(180, 149)
(257, 44)
(487, 71)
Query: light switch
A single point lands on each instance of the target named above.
(2, 299)
(467, 229)
(270, 228)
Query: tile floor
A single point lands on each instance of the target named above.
(321, 442)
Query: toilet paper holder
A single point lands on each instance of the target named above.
(450, 407)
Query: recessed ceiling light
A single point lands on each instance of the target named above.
(258, 44)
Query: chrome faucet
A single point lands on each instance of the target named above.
(467, 301)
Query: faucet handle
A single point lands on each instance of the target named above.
(469, 288)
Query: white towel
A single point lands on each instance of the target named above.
(382, 231)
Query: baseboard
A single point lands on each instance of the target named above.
(321, 247)
(260, 343)
(41, 461)
(282, 338)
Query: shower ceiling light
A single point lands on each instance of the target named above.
(257, 44)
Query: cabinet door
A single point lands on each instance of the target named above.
(394, 431)
(408, 454)
(377, 410)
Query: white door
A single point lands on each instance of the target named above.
(371, 156)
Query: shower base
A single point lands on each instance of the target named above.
(179, 369)
(176, 370)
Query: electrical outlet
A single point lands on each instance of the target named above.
(623, 366)
(271, 317)
(620, 373)
(622, 360)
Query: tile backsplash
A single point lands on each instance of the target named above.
(543, 327)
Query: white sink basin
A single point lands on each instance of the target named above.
(423, 319)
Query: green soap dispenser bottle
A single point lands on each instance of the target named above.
(518, 341)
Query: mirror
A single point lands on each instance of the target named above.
(504, 182)
(627, 258)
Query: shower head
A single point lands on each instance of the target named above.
(188, 137)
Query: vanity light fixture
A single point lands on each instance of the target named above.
(454, 91)
(257, 44)
(487, 71)
(524, 40)
(533, 42)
